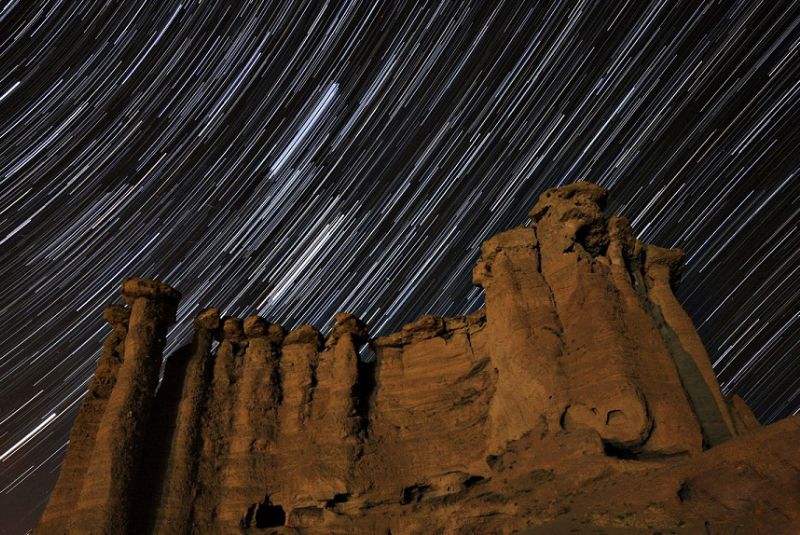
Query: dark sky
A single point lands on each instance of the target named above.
(296, 159)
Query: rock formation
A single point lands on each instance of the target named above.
(580, 399)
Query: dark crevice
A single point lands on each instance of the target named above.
(558, 333)
(617, 451)
(475, 370)
(562, 421)
(472, 481)
(158, 439)
(310, 390)
(698, 392)
(541, 213)
(657, 456)
(264, 515)
(538, 250)
(612, 414)
(684, 492)
(276, 379)
(466, 398)
(337, 499)
(363, 393)
(593, 239)
(633, 270)
(414, 493)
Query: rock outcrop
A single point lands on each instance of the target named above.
(580, 399)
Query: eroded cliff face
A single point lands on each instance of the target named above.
(580, 397)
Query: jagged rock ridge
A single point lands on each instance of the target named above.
(579, 398)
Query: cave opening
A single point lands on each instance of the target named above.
(270, 516)
(264, 515)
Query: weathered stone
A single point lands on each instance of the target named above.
(743, 418)
(208, 320)
(276, 333)
(524, 334)
(103, 505)
(167, 484)
(699, 381)
(64, 498)
(343, 323)
(305, 334)
(254, 428)
(255, 327)
(580, 399)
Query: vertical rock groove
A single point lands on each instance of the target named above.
(172, 495)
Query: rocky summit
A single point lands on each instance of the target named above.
(580, 399)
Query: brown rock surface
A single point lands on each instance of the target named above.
(82, 437)
(103, 504)
(579, 400)
(168, 481)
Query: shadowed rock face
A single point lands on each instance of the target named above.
(579, 399)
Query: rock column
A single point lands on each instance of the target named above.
(82, 438)
(218, 423)
(102, 507)
(254, 425)
(179, 484)
(334, 416)
(525, 335)
(675, 429)
(298, 368)
(691, 359)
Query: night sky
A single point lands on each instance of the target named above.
(300, 158)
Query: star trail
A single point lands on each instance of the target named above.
(295, 159)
